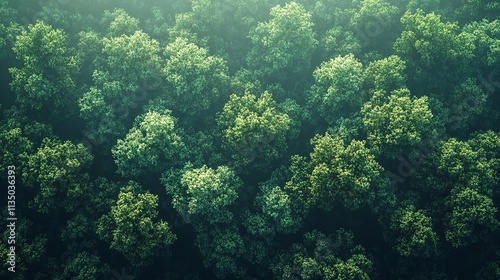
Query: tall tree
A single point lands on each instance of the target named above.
(413, 235)
(192, 74)
(324, 257)
(337, 91)
(472, 215)
(253, 131)
(396, 123)
(127, 75)
(45, 82)
(284, 45)
(58, 170)
(133, 228)
(341, 172)
(434, 51)
(205, 194)
(150, 147)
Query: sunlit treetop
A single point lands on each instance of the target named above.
(285, 43)
(46, 77)
(253, 131)
(120, 23)
(192, 74)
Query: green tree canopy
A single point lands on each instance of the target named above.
(119, 23)
(324, 257)
(133, 228)
(386, 74)
(341, 172)
(222, 249)
(83, 266)
(46, 79)
(253, 131)
(397, 122)
(285, 43)
(192, 74)
(413, 233)
(434, 51)
(205, 194)
(127, 75)
(57, 171)
(150, 147)
(472, 163)
(337, 91)
(471, 215)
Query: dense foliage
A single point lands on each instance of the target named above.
(215, 139)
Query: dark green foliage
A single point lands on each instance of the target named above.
(247, 125)
(413, 233)
(324, 257)
(471, 215)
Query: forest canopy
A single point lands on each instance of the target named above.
(215, 139)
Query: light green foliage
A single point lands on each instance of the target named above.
(204, 197)
(46, 79)
(129, 59)
(337, 41)
(15, 147)
(7, 15)
(473, 163)
(120, 23)
(373, 14)
(396, 122)
(413, 233)
(299, 186)
(337, 90)
(386, 74)
(324, 257)
(487, 40)
(340, 172)
(471, 215)
(127, 74)
(14, 119)
(196, 81)
(253, 131)
(133, 228)
(332, 22)
(433, 50)
(285, 43)
(279, 212)
(205, 194)
(150, 147)
(245, 80)
(57, 169)
(202, 24)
